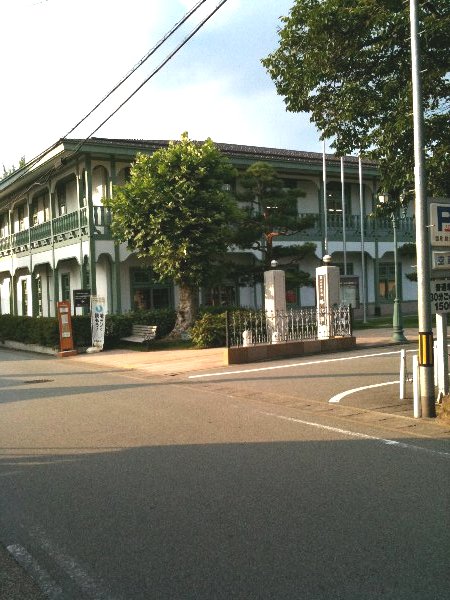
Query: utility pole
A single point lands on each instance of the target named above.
(426, 368)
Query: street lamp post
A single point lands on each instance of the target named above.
(397, 321)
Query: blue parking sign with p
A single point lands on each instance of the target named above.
(443, 218)
(440, 224)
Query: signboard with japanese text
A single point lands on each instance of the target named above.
(81, 298)
(440, 295)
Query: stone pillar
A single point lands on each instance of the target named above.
(275, 302)
(327, 291)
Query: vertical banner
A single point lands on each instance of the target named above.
(98, 311)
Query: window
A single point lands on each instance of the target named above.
(65, 286)
(123, 176)
(289, 184)
(221, 295)
(334, 197)
(386, 281)
(61, 198)
(3, 225)
(34, 209)
(21, 217)
(24, 297)
(46, 206)
(146, 293)
(82, 191)
(342, 270)
(99, 184)
(39, 296)
(292, 287)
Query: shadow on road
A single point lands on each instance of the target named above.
(293, 520)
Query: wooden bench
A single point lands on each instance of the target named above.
(141, 334)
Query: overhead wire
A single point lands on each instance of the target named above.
(154, 72)
(51, 170)
(141, 62)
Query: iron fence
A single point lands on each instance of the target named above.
(252, 327)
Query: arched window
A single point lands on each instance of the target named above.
(99, 184)
(123, 176)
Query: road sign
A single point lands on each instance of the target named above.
(440, 295)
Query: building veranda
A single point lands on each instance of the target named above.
(55, 232)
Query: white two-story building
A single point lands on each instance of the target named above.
(55, 236)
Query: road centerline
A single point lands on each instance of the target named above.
(291, 366)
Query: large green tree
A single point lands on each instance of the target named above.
(348, 64)
(175, 212)
(271, 215)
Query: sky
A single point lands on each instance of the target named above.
(60, 57)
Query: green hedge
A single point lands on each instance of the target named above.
(30, 330)
(44, 331)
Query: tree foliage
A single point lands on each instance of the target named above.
(348, 64)
(13, 169)
(175, 212)
(271, 215)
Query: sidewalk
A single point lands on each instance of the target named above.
(179, 362)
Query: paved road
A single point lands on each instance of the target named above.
(117, 485)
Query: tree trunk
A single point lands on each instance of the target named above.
(187, 309)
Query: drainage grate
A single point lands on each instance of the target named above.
(38, 380)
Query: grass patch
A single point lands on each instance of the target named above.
(385, 321)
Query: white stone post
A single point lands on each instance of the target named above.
(275, 302)
(327, 292)
(441, 357)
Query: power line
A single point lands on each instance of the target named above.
(143, 59)
(141, 62)
(165, 61)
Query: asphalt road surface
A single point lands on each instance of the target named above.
(115, 485)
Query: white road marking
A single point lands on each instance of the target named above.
(32, 567)
(360, 435)
(290, 366)
(338, 397)
(91, 588)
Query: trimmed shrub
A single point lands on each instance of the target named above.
(209, 331)
(30, 330)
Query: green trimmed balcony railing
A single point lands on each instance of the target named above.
(75, 224)
(375, 228)
(69, 226)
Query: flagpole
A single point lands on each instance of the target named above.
(363, 261)
(344, 223)
(325, 206)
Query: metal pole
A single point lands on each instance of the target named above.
(402, 374)
(344, 224)
(325, 205)
(397, 325)
(423, 248)
(363, 261)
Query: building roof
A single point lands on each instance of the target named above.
(50, 160)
